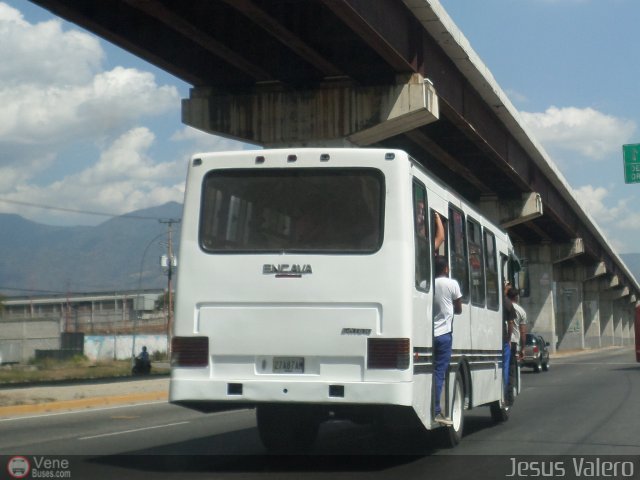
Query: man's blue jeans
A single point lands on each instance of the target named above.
(506, 360)
(442, 357)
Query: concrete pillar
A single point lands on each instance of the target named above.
(606, 320)
(569, 276)
(626, 323)
(569, 314)
(612, 297)
(333, 114)
(621, 316)
(618, 319)
(539, 304)
(591, 314)
(631, 309)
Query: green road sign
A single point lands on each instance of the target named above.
(631, 155)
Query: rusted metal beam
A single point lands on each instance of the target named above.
(425, 142)
(157, 10)
(91, 18)
(285, 36)
(368, 23)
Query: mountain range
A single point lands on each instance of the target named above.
(119, 254)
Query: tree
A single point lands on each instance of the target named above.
(162, 301)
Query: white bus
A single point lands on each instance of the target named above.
(305, 290)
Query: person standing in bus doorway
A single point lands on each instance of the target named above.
(518, 334)
(447, 302)
(508, 316)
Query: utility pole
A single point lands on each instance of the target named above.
(169, 263)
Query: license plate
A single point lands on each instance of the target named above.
(288, 364)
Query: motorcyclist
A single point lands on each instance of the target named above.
(142, 363)
(144, 355)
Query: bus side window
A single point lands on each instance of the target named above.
(476, 262)
(458, 251)
(491, 269)
(421, 235)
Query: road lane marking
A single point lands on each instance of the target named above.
(599, 364)
(71, 412)
(132, 431)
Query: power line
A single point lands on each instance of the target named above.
(73, 210)
(30, 290)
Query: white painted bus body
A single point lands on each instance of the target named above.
(324, 307)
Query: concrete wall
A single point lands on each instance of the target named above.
(119, 347)
(20, 339)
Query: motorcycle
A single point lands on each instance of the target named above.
(141, 367)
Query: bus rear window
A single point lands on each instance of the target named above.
(296, 210)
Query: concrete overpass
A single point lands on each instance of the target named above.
(394, 73)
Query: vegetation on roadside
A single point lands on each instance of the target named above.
(76, 368)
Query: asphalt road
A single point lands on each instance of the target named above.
(578, 415)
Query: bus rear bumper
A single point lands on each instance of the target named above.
(251, 392)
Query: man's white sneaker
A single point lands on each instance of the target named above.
(442, 420)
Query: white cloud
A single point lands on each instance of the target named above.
(125, 178)
(207, 142)
(53, 91)
(592, 199)
(586, 131)
(618, 220)
(56, 114)
(57, 98)
(516, 97)
(41, 54)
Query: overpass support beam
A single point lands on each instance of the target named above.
(619, 321)
(591, 310)
(628, 317)
(334, 114)
(539, 304)
(508, 213)
(606, 320)
(573, 308)
(623, 317)
(614, 298)
(591, 314)
(567, 251)
(563, 305)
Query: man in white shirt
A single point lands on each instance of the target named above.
(447, 301)
(518, 335)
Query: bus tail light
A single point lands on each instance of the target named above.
(388, 353)
(189, 351)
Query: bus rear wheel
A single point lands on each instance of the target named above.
(450, 436)
(287, 428)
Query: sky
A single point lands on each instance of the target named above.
(571, 69)
(87, 126)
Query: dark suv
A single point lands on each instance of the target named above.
(535, 353)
